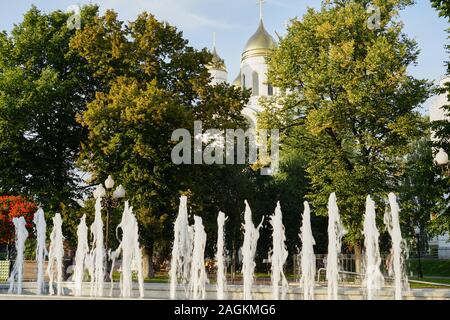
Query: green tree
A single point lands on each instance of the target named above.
(442, 6)
(442, 128)
(289, 186)
(349, 105)
(43, 85)
(420, 190)
(154, 84)
(441, 131)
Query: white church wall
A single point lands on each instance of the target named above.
(436, 111)
(255, 64)
(218, 76)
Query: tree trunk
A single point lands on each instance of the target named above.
(147, 259)
(358, 258)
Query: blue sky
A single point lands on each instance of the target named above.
(234, 21)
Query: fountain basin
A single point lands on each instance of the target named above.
(235, 292)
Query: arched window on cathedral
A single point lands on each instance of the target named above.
(255, 83)
(269, 90)
(244, 85)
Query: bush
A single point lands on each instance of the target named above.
(12, 207)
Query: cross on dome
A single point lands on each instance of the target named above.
(261, 8)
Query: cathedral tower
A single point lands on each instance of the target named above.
(253, 73)
(217, 68)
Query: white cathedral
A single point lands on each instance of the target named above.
(253, 70)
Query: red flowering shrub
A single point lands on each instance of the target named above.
(12, 207)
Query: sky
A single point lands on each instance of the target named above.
(234, 21)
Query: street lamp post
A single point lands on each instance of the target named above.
(110, 201)
(417, 232)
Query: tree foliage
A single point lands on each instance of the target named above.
(441, 128)
(349, 106)
(154, 84)
(441, 132)
(420, 190)
(442, 6)
(43, 85)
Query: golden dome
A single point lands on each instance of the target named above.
(217, 63)
(259, 43)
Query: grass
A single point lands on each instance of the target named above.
(159, 277)
(434, 280)
(431, 268)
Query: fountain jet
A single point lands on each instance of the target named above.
(131, 253)
(279, 255)
(40, 228)
(181, 250)
(307, 256)
(197, 284)
(251, 236)
(335, 233)
(220, 257)
(97, 255)
(56, 255)
(81, 256)
(17, 272)
(399, 249)
(374, 279)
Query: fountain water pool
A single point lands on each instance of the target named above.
(194, 239)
